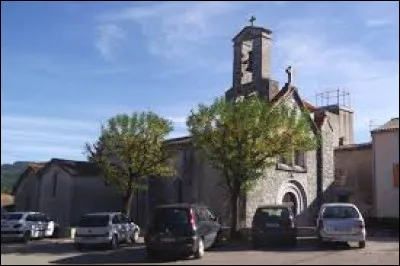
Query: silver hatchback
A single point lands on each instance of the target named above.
(109, 229)
(341, 222)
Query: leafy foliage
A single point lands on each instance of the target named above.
(130, 149)
(243, 138)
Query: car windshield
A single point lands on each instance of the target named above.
(340, 212)
(272, 214)
(171, 215)
(94, 221)
(13, 216)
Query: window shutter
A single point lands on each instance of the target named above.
(396, 174)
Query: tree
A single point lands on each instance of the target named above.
(130, 149)
(242, 139)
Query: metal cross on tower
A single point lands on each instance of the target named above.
(251, 20)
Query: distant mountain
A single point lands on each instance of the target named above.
(10, 174)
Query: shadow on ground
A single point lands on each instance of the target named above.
(122, 256)
(306, 245)
(43, 247)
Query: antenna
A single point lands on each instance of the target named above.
(333, 97)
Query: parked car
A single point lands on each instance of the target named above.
(52, 228)
(341, 222)
(23, 226)
(181, 229)
(109, 229)
(3, 214)
(273, 224)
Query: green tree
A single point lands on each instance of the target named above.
(242, 139)
(130, 149)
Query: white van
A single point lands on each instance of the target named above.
(23, 226)
(109, 229)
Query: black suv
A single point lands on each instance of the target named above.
(181, 229)
(273, 224)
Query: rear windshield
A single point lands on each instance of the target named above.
(13, 216)
(94, 221)
(272, 214)
(340, 212)
(171, 215)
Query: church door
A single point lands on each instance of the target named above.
(290, 198)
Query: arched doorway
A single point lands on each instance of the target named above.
(293, 191)
(291, 198)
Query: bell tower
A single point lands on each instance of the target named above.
(251, 63)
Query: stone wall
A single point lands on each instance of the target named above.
(271, 189)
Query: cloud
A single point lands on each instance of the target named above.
(108, 40)
(41, 122)
(378, 22)
(40, 138)
(322, 64)
(176, 30)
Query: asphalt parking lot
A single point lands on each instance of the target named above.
(378, 251)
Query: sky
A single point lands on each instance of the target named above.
(66, 67)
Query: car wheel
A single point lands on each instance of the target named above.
(255, 244)
(293, 242)
(135, 237)
(361, 244)
(200, 249)
(78, 247)
(150, 254)
(114, 242)
(218, 239)
(26, 237)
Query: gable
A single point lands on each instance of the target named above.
(290, 95)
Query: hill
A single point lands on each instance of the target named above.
(10, 174)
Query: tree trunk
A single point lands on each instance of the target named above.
(234, 214)
(128, 203)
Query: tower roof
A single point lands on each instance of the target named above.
(249, 32)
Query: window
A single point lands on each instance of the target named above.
(171, 216)
(396, 174)
(285, 160)
(124, 219)
(201, 215)
(32, 218)
(299, 158)
(340, 212)
(116, 219)
(94, 221)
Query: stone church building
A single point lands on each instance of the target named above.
(74, 188)
(306, 181)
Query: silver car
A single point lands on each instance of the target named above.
(341, 222)
(109, 229)
(23, 226)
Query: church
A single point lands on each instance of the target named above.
(307, 181)
(67, 189)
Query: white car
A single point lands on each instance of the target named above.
(23, 226)
(109, 229)
(52, 227)
(341, 222)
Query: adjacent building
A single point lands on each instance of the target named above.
(385, 143)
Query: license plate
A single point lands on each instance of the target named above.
(168, 239)
(271, 225)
